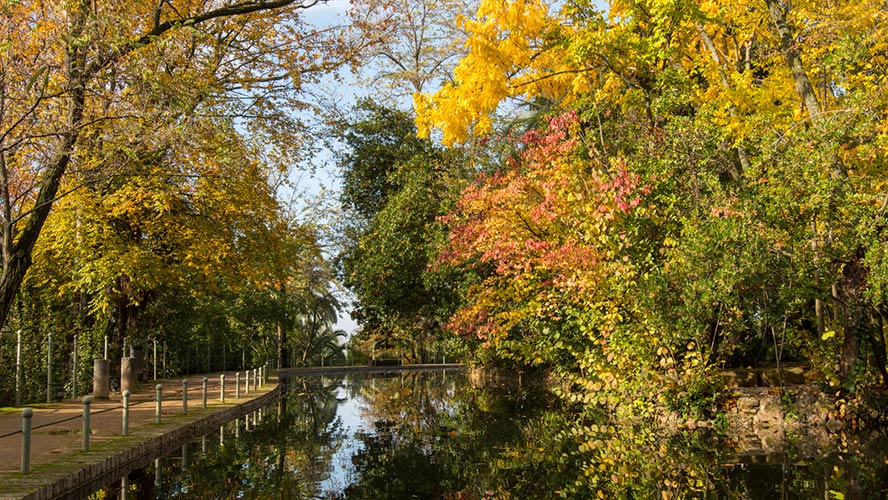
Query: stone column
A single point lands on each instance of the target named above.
(101, 378)
(128, 374)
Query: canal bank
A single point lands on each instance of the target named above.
(60, 469)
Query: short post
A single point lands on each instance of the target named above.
(236, 385)
(128, 373)
(204, 393)
(184, 396)
(125, 427)
(158, 395)
(101, 378)
(106, 348)
(222, 387)
(158, 477)
(27, 413)
(247, 377)
(87, 401)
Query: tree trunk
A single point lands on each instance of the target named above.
(793, 59)
(853, 287)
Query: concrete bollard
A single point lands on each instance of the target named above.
(204, 392)
(222, 387)
(27, 413)
(101, 378)
(128, 374)
(125, 424)
(87, 401)
(158, 399)
(236, 385)
(185, 396)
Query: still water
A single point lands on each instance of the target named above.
(431, 435)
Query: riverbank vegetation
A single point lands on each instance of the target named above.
(630, 197)
(691, 186)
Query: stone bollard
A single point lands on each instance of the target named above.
(128, 374)
(158, 400)
(236, 385)
(87, 401)
(222, 387)
(125, 424)
(27, 413)
(204, 392)
(185, 396)
(101, 378)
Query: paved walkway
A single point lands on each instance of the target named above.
(57, 428)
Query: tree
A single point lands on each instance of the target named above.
(71, 81)
(752, 124)
(416, 43)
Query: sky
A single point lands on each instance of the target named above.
(325, 182)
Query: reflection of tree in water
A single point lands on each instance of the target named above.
(434, 438)
(288, 455)
(443, 442)
(430, 440)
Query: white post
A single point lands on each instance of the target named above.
(18, 368)
(49, 369)
(74, 369)
(106, 347)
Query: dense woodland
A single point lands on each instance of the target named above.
(630, 197)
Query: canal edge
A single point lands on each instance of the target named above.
(102, 468)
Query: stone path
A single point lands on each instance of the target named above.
(57, 428)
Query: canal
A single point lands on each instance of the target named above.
(432, 435)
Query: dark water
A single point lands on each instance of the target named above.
(430, 435)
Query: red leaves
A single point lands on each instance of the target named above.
(547, 225)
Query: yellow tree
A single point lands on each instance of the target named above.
(758, 121)
(85, 82)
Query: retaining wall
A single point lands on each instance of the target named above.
(111, 469)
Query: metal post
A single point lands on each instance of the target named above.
(204, 392)
(222, 387)
(74, 369)
(18, 368)
(203, 445)
(124, 488)
(125, 427)
(49, 369)
(236, 385)
(185, 456)
(221, 435)
(86, 402)
(158, 398)
(27, 413)
(158, 477)
(155, 360)
(185, 396)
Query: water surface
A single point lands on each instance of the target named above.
(431, 435)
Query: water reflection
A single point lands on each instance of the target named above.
(433, 436)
